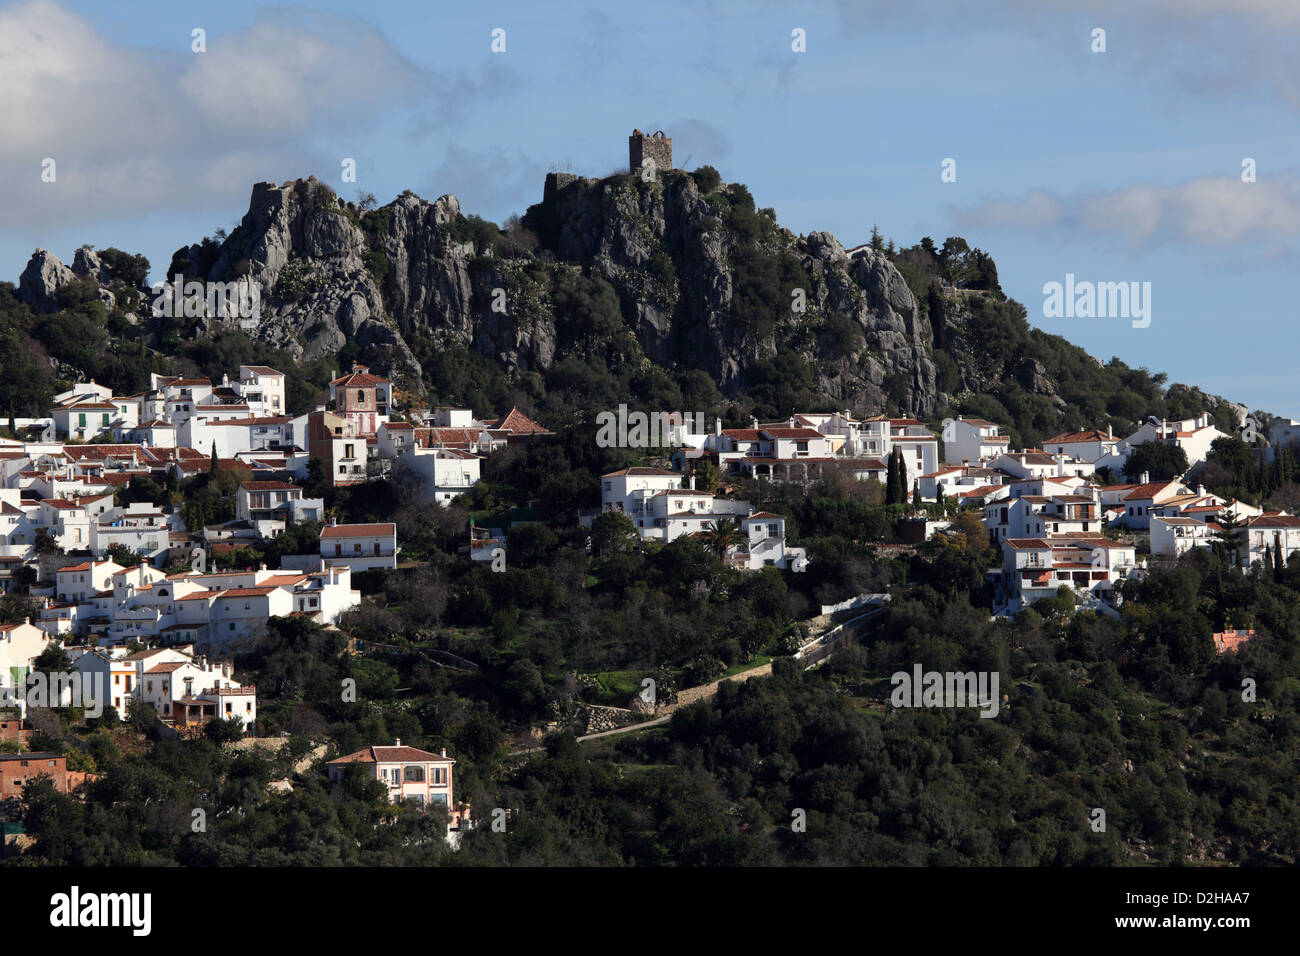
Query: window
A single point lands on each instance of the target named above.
(356, 547)
(439, 776)
(338, 549)
(376, 549)
(414, 775)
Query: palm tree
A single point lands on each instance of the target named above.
(721, 536)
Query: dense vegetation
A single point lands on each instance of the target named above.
(1135, 716)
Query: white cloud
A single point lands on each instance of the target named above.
(1213, 212)
(134, 129)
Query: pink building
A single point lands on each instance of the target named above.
(408, 773)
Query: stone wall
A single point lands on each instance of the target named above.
(607, 718)
(657, 147)
(705, 691)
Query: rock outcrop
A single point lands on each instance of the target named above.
(41, 281)
(702, 281)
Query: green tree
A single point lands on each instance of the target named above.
(1232, 535)
(612, 533)
(1161, 462)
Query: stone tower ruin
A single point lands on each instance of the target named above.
(658, 148)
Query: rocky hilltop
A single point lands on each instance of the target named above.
(625, 276)
(702, 280)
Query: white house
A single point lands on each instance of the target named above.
(272, 506)
(1088, 446)
(1193, 435)
(628, 489)
(262, 388)
(360, 547)
(439, 474)
(972, 440)
(765, 534)
(1036, 568)
(20, 645)
(1174, 536)
(1279, 533)
(1142, 500)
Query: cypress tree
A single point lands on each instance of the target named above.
(891, 479)
(902, 479)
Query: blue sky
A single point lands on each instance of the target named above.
(1116, 166)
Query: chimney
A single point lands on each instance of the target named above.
(717, 426)
(442, 752)
(1146, 478)
(397, 741)
(1200, 490)
(753, 423)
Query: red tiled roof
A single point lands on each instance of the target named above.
(1149, 490)
(792, 433)
(640, 472)
(248, 592)
(518, 423)
(359, 380)
(1066, 438)
(357, 530)
(401, 754)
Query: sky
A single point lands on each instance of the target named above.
(1162, 151)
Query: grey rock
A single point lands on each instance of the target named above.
(40, 282)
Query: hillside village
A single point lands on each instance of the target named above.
(132, 590)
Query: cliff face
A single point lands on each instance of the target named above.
(617, 227)
(702, 281)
